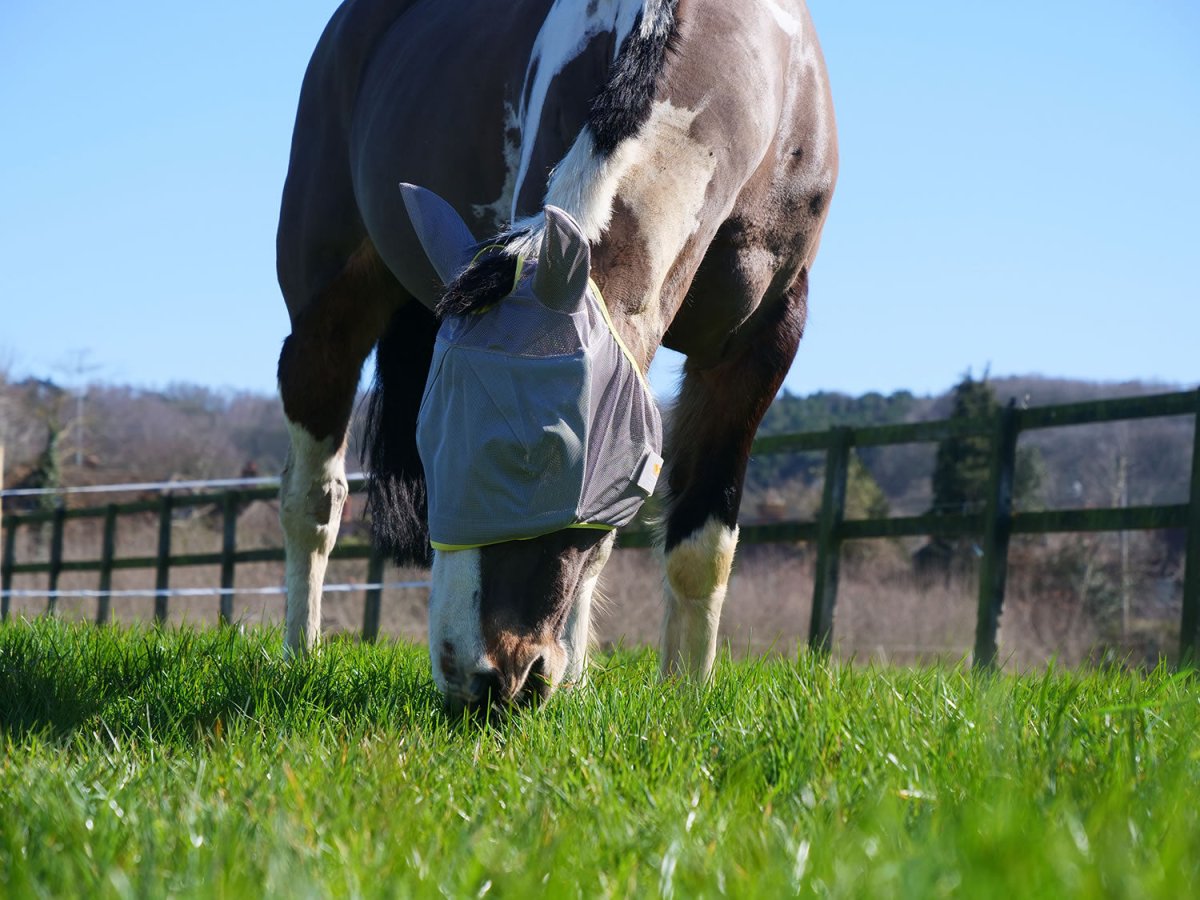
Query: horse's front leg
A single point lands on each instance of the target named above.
(708, 446)
(577, 633)
(318, 376)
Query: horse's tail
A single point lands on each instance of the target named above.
(396, 491)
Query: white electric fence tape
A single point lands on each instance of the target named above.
(214, 592)
(157, 486)
(186, 592)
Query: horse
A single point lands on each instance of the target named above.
(684, 152)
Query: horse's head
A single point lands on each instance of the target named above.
(538, 437)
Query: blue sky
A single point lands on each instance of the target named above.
(1020, 188)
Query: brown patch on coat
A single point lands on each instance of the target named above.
(322, 358)
(718, 413)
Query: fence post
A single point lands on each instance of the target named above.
(108, 549)
(6, 564)
(997, 530)
(229, 514)
(56, 554)
(829, 544)
(162, 569)
(371, 606)
(1189, 622)
(6, 552)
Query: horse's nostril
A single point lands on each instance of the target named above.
(537, 672)
(537, 682)
(485, 687)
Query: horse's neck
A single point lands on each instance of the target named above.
(658, 229)
(571, 60)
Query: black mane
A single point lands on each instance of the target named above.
(622, 106)
(617, 112)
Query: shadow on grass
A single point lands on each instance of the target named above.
(60, 680)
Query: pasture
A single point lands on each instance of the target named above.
(196, 763)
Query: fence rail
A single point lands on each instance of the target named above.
(995, 524)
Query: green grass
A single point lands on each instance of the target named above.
(197, 763)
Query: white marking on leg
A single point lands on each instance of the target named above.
(311, 496)
(697, 571)
(456, 647)
(578, 631)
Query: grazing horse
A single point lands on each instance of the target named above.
(688, 146)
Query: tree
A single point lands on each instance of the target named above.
(963, 464)
(962, 470)
(865, 499)
(47, 473)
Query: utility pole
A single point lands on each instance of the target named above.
(80, 368)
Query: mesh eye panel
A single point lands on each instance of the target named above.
(519, 327)
(625, 426)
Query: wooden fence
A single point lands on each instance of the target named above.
(994, 525)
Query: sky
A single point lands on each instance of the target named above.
(1019, 191)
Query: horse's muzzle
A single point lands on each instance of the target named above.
(494, 690)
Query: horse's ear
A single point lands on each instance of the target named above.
(565, 260)
(443, 234)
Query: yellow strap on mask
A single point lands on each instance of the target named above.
(590, 526)
(620, 343)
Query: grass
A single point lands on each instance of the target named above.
(185, 763)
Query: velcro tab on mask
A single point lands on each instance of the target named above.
(648, 471)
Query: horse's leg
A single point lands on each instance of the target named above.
(711, 430)
(319, 371)
(578, 631)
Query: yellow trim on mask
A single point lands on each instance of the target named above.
(589, 526)
(520, 268)
(483, 250)
(620, 343)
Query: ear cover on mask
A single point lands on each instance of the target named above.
(564, 263)
(443, 234)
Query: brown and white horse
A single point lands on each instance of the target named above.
(693, 142)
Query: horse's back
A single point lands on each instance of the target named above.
(429, 91)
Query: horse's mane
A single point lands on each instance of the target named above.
(616, 113)
(489, 278)
(622, 106)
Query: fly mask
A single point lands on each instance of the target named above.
(535, 416)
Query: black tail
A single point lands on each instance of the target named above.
(396, 493)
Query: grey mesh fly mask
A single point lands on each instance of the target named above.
(535, 417)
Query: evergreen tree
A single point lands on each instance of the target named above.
(865, 499)
(960, 471)
(48, 472)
